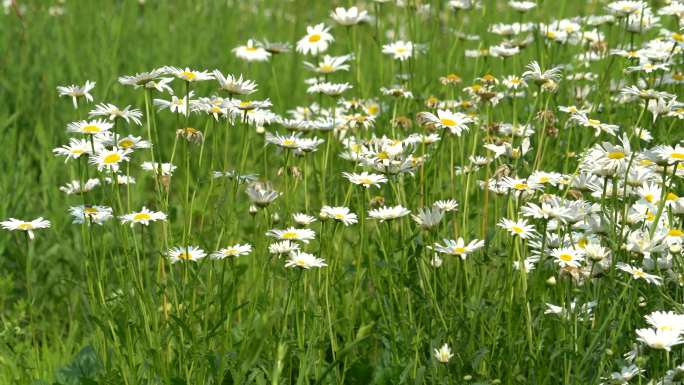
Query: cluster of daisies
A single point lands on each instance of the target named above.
(616, 213)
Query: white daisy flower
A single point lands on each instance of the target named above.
(143, 217)
(183, 254)
(77, 92)
(232, 251)
(13, 224)
(302, 260)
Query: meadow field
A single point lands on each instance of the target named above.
(341, 192)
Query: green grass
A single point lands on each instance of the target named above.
(103, 305)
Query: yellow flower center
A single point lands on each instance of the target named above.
(565, 257)
(366, 181)
(188, 75)
(459, 250)
(677, 155)
(517, 229)
(649, 198)
(289, 235)
(112, 158)
(675, 233)
(671, 197)
(594, 122)
(289, 142)
(520, 186)
(448, 122)
(616, 155)
(142, 217)
(326, 68)
(250, 48)
(678, 37)
(126, 143)
(90, 210)
(185, 256)
(339, 216)
(383, 155)
(314, 38)
(25, 226)
(92, 129)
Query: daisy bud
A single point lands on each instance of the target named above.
(253, 210)
(551, 281)
(260, 130)
(275, 217)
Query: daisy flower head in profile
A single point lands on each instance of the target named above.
(446, 205)
(302, 260)
(666, 321)
(386, 213)
(522, 6)
(639, 273)
(399, 50)
(141, 79)
(365, 179)
(76, 187)
(316, 40)
(459, 247)
(188, 74)
(456, 123)
(232, 251)
(540, 77)
(185, 254)
(112, 112)
(143, 217)
(13, 224)
(74, 150)
(303, 219)
(428, 218)
(77, 92)
(329, 64)
(261, 194)
(659, 339)
(518, 228)
(176, 104)
(90, 214)
(329, 89)
(292, 234)
(90, 127)
(340, 214)
(251, 52)
(349, 17)
(443, 354)
(235, 85)
(283, 247)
